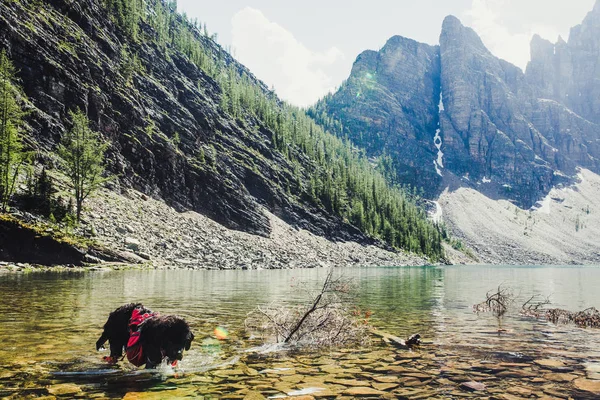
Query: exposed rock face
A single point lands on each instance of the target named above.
(29, 242)
(22, 244)
(390, 104)
(509, 134)
(193, 154)
(567, 72)
(493, 127)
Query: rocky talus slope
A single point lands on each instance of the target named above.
(457, 111)
(565, 229)
(149, 231)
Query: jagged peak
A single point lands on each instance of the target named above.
(365, 60)
(406, 44)
(589, 28)
(398, 40)
(594, 15)
(452, 28)
(367, 53)
(540, 48)
(537, 40)
(451, 22)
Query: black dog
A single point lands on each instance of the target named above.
(116, 330)
(147, 337)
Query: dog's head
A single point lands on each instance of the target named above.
(174, 349)
(178, 337)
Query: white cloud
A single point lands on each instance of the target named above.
(488, 19)
(273, 53)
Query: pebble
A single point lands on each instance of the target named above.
(473, 386)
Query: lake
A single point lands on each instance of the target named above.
(49, 323)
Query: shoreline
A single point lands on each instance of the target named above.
(131, 230)
(20, 268)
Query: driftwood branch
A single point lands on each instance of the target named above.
(411, 342)
(327, 320)
(533, 308)
(499, 301)
(496, 302)
(588, 318)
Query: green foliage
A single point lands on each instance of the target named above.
(39, 197)
(67, 47)
(339, 178)
(127, 14)
(82, 151)
(12, 156)
(176, 140)
(200, 156)
(130, 64)
(150, 127)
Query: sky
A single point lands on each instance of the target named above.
(305, 49)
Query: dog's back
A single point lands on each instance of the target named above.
(116, 329)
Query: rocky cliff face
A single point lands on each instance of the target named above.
(456, 110)
(390, 105)
(169, 137)
(567, 72)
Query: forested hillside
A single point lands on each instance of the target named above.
(188, 124)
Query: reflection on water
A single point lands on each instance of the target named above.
(50, 322)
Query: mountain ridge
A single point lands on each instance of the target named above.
(498, 132)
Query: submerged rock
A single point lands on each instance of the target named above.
(473, 386)
(587, 385)
(254, 396)
(64, 389)
(363, 392)
(560, 377)
(550, 363)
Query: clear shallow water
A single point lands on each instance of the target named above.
(49, 324)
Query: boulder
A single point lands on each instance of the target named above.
(132, 244)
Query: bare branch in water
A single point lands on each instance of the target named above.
(497, 302)
(588, 318)
(328, 320)
(533, 308)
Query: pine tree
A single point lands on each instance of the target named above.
(12, 156)
(83, 153)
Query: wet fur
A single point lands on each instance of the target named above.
(116, 329)
(169, 333)
(161, 336)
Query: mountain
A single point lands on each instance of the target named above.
(567, 72)
(189, 125)
(455, 115)
(389, 105)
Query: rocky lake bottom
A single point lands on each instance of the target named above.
(49, 324)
